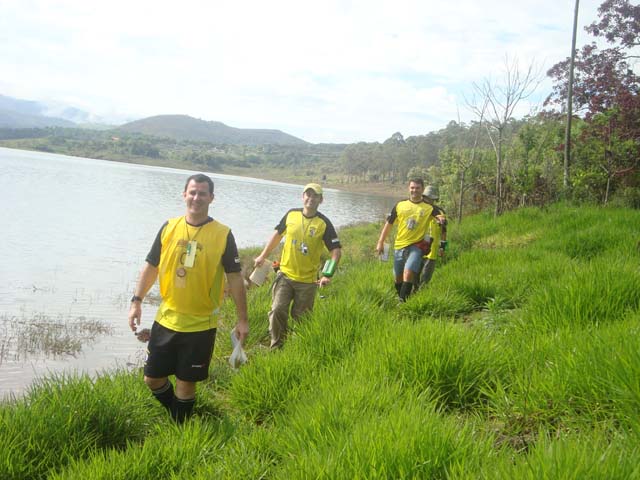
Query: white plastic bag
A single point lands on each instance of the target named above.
(238, 356)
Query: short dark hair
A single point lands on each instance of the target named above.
(200, 178)
(417, 180)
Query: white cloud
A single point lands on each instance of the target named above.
(336, 71)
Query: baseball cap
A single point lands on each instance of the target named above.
(313, 186)
(431, 192)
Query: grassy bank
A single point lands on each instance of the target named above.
(328, 179)
(519, 360)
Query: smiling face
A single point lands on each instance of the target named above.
(197, 198)
(311, 200)
(415, 191)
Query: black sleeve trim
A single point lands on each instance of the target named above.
(391, 218)
(153, 257)
(230, 257)
(282, 226)
(330, 236)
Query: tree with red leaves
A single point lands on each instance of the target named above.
(606, 92)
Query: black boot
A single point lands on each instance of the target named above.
(181, 409)
(164, 395)
(405, 291)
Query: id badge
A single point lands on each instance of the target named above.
(189, 260)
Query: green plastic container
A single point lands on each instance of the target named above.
(329, 268)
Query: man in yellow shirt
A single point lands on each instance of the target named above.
(306, 232)
(438, 231)
(191, 255)
(413, 217)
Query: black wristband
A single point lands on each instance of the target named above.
(136, 298)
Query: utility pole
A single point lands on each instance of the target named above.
(567, 133)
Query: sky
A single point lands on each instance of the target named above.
(326, 71)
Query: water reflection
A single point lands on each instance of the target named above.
(79, 230)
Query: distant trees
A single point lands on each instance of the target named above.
(392, 160)
(499, 100)
(527, 154)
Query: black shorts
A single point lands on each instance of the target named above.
(186, 355)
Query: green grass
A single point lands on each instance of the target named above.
(64, 419)
(519, 360)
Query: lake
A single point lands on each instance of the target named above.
(76, 232)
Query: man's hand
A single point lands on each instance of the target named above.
(147, 278)
(239, 295)
(135, 313)
(443, 248)
(258, 261)
(242, 331)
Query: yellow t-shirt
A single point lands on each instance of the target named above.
(436, 232)
(191, 296)
(413, 222)
(304, 241)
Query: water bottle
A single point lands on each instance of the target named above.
(329, 268)
(384, 256)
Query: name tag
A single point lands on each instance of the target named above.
(190, 259)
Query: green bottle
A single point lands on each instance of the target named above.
(329, 268)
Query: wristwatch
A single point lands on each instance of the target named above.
(136, 298)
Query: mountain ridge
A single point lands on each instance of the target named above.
(13, 119)
(18, 113)
(185, 127)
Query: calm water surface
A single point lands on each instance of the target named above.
(77, 231)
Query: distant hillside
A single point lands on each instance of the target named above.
(28, 107)
(13, 119)
(17, 113)
(184, 127)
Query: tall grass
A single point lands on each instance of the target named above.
(66, 418)
(519, 360)
(451, 365)
(596, 455)
(599, 291)
(409, 440)
(168, 452)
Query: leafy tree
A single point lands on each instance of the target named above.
(607, 94)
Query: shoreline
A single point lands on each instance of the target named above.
(381, 189)
(397, 191)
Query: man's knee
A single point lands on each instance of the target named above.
(407, 276)
(155, 383)
(298, 311)
(279, 313)
(185, 389)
